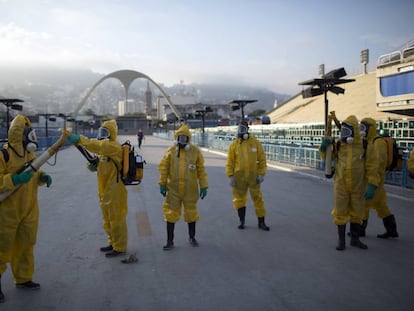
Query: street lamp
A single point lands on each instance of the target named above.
(48, 117)
(66, 118)
(239, 104)
(324, 84)
(202, 113)
(10, 103)
(321, 86)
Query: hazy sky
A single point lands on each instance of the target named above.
(268, 43)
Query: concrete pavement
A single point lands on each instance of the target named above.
(294, 266)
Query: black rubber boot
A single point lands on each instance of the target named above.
(191, 233)
(114, 253)
(170, 236)
(106, 248)
(341, 237)
(363, 227)
(355, 230)
(1, 293)
(261, 224)
(242, 215)
(28, 285)
(391, 227)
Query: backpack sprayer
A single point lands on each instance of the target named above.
(132, 165)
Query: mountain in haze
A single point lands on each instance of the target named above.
(222, 94)
(60, 90)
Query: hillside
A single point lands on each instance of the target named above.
(59, 90)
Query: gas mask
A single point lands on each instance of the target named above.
(364, 128)
(30, 139)
(182, 141)
(103, 133)
(242, 131)
(347, 133)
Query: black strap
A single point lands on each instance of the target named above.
(5, 155)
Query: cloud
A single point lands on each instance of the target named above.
(14, 35)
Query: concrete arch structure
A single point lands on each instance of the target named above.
(127, 77)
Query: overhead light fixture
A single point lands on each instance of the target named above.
(335, 74)
(337, 90)
(311, 92)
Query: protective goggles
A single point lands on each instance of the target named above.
(30, 135)
(242, 129)
(182, 139)
(347, 130)
(103, 133)
(364, 127)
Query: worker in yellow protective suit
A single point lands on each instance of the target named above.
(349, 181)
(376, 158)
(183, 180)
(246, 168)
(19, 212)
(113, 195)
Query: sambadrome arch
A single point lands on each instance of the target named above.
(127, 77)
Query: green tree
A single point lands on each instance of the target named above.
(89, 112)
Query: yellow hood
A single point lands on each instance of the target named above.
(112, 127)
(15, 134)
(183, 130)
(354, 122)
(372, 131)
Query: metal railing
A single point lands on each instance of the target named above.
(297, 154)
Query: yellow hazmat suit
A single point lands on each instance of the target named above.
(376, 159)
(111, 190)
(349, 183)
(246, 160)
(376, 163)
(183, 172)
(19, 213)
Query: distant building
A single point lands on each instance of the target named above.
(148, 101)
(131, 106)
(185, 104)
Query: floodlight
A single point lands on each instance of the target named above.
(337, 90)
(364, 56)
(311, 92)
(16, 107)
(335, 74)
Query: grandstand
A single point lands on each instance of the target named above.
(301, 120)
(359, 99)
